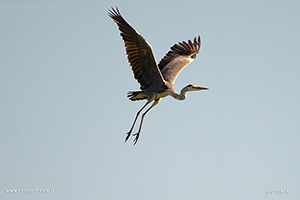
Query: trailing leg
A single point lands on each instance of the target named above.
(137, 114)
(137, 135)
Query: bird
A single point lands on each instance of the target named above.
(156, 80)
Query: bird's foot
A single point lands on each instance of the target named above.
(128, 135)
(137, 135)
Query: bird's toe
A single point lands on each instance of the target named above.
(128, 135)
(137, 135)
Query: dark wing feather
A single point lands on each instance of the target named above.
(140, 55)
(181, 55)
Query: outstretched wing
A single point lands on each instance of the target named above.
(140, 55)
(181, 55)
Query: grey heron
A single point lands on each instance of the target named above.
(156, 80)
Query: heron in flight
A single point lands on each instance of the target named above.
(156, 80)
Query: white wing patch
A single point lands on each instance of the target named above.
(178, 57)
(173, 68)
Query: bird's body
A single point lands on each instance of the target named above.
(156, 80)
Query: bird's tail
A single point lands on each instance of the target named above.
(136, 95)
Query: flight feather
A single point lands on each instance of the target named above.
(139, 53)
(178, 57)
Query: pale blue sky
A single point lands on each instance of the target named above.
(64, 111)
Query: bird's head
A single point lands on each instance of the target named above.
(192, 87)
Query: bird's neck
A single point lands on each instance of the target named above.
(182, 95)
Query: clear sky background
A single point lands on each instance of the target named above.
(64, 77)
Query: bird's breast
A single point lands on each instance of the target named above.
(162, 94)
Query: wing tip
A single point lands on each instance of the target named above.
(181, 48)
(189, 47)
(113, 12)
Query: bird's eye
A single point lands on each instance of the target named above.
(193, 56)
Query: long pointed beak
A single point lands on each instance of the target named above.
(202, 88)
